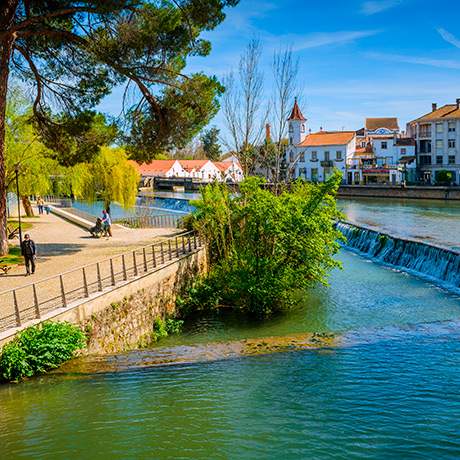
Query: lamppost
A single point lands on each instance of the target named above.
(16, 170)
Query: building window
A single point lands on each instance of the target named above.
(451, 159)
(302, 127)
(439, 144)
(384, 145)
(451, 127)
(425, 131)
(327, 156)
(451, 143)
(338, 155)
(303, 172)
(291, 128)
(363, 144)
(314, 156)
(302, 157)
(439, 159)
(290, 140)
(314, 174)
(403, 151)
(425, 146)
(439, 127)
(291, 156)
(425, 159)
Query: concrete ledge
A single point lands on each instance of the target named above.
(72, 218)
(409, 192)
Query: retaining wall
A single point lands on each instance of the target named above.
(410, 192)
(121, 318)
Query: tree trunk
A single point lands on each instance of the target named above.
(27, 205)
(7, 12)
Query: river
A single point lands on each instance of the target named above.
(389, 387)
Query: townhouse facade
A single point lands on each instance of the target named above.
(437, 136)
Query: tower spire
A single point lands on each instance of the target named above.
(296, 114)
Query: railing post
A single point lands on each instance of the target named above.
(112, 273)
(123, 261)
(183, 244)
(177, 247)
(37, 306)
(99, 280)
(64, 301)
(16, 309)
(85, 282)
(145, 259)
(169, 250)
(194, 240)
(135, 263)
(162, 253)
(154, 256)
(189, 244)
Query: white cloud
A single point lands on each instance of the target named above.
(327, 38)
(377, 6)
(440, 63)
(448, 37)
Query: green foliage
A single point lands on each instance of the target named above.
(211, 146)
(444, 177)
(110, 177)
(40, 348)
(13, 257)
(162, 328)
(77, 139)
(203, 294)
(263, 246)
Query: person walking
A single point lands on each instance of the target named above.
(29, 254)
(40, 204)
(106, 223)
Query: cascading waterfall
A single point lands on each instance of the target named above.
(438, 264)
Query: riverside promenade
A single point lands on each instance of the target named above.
(63, 246)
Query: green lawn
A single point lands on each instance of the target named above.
(14, 223)
(13, 258)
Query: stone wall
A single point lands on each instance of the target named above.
(122, 317)
(387, 191)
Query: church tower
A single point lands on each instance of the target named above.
(297, 125)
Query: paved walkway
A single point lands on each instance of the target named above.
(62, 246)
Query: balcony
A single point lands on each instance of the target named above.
(327, 163)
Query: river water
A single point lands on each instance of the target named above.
(390, 389)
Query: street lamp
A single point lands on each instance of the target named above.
(16, 170)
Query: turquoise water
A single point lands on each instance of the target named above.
(391, 389)
(433, 221)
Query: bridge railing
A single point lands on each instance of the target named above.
(32, 301)
(152, 221)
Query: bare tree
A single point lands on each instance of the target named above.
(285, 75)
(242, 106)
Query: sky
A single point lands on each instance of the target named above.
(357, 58)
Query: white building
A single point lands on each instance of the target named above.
(314, 156)
(437, 135)
(231, 171)
(383, 155)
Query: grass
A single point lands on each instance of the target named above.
(13, 258)
(24, 225)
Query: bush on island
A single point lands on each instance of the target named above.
(264, 247)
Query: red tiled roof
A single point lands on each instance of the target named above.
(296, 114)
(224, 165)
(155, 167)
(375, 123)
(328, 138)
(190, 165)
(446, 111)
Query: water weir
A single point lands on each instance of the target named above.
(435, 263)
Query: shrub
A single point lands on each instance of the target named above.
(162, 328)
(264, 247)
(40, 348)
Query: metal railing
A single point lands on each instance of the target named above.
(154, 221)
(32, 301)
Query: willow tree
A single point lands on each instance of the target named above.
(73, 52)
(109, 177)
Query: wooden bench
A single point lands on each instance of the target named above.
(4, 269)
(12, 232)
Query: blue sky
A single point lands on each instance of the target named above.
(357, 58)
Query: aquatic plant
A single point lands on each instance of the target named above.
(162, 328)
(40, 348)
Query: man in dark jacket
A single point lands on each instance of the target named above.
(28, 252)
